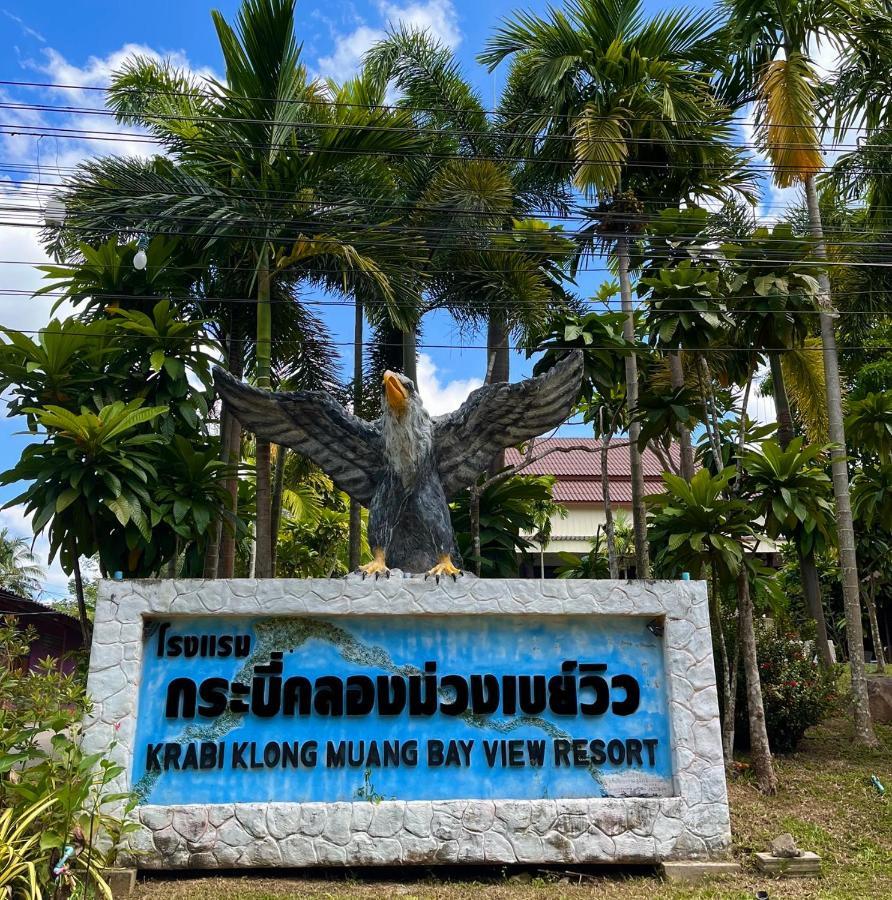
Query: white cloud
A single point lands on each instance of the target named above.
(97, 70)
(348, 52)
(442, 397)
(438, 17)
(760, 409)
(26, 28)
(19, 245)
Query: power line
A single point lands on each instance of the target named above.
(16, 130)
(518, 348)
(590, 305)
(767, 263)
(348, 202)
(47, 170)
(538, 241)
(215, 95)
(492, 134)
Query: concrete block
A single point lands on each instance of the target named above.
(121, 881)
(806, 866)
(694, 871)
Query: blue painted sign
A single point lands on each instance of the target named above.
(392, 707)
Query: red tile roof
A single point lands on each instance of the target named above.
(577, 464)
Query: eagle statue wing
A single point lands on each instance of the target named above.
(498, 416)
(348, 449)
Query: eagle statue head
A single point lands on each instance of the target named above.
(406, 426)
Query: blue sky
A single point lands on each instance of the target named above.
(83, 42)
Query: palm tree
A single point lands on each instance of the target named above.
(262, 167)
(623, 105)
(699, 528)
(19, 570)
(489, 262)
(784, 482)
(773, 296)
(768, 45)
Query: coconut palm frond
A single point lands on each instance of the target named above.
(20, 571)
(803, 369)
(171, 102)
(785, 111)
(601, 149)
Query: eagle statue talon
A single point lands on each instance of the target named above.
(406, 465)
(376, 567)
(445, 567)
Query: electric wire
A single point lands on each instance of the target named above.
(111, 297)
(511, 347)
(15, 130)
(348, 203)
(325, 102)
(421, 129)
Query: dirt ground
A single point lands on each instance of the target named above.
(826, 800)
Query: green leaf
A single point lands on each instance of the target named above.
(180, 510)
(49, 840)
(66, 498)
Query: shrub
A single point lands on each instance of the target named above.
(53, 796)
(796, 692)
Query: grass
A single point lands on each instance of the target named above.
(826, 801)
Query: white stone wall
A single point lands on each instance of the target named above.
(692, 824)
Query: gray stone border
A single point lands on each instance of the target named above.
(694, 823)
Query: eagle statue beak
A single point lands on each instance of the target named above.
(397, 395)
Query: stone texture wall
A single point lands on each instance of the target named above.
(692, 824)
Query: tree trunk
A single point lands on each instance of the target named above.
(276, 510)
(609, 525)
(848, 562)
(870, 600)
(474, 517)
(729, 724)
(232, 448)
(808, 569)
(639, 512)
(711, 418)
(498, 363)
(172, 562)
(676, 373)
(212, 549)
(86, 627)
(263, 566)
(263, 549)
(410, 355)
(811, 588)
(721, 663)
(760, 751)
(215, 531)
(781, 401)
(498, 360)
(355, 532)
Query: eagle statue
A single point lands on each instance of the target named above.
(406, 465)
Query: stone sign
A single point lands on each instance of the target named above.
(332, 722)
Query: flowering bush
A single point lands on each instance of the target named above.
(797, 693)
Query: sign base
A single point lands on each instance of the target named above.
(568, 721)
